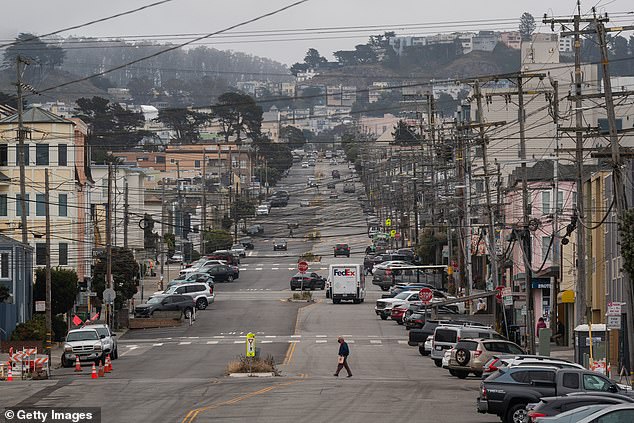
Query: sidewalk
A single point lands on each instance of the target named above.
(565, 353)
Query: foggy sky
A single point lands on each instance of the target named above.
(205, 16)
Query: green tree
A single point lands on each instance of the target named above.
(185, 123)
(112, 127)
(313, 59)
(429, 246)
(295, 136)
(238, 114)
(125, 271)
(41, 54)
(64, 288)
(170, 241)
(527, 26)
(141, 89)
(626, 229)
(217, 239)
(150, 238)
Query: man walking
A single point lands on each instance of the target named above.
(344, 352)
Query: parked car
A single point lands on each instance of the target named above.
(470, 355)
(618, 413)
(507, 392)
(304, 164)
(348, 187)
(331, 185)
(384, 306)
(239, 250)
(279, 202)
(163, 302)
(446, 337)
(335, 174)
(333, 195)
(342, 250)
(176, 258)
(499, 361)
(280, 244)
(202, 293)
(577, 414)
(311, 280)
(398, 313)
(83, 343)
(262, 211)
(201, 264)
(223, 273)
(200, 276)
(304, 203)
(553, 406)
(226, 256)
(109, 339)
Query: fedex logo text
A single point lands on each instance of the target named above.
(344, 272)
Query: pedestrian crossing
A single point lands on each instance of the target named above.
(233, 338)
(278, 266)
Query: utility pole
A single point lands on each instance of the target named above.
(179, 207)
(204, 206)
(109, 243)
(126, 216)
(162, 241)
(556, 243)
(49, 315)
(526, 235)
(21, 134)
(617, 176)
(487, 186)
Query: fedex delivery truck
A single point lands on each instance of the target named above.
(347, 283)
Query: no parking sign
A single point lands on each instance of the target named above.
(250, 344)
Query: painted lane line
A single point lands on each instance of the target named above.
(275, 268)
(238, 342)
(321, 341)
(351, 341)
(400, 341)
(219, 336)
(293, 341)
(321, 336)
(185, 343)
(375, 341)
(212, 342)
(258, 268)
(270, 336)
(296, 336)
(160, 344)
(266, 342)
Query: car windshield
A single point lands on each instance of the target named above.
(84, 335)
(156, 300)
(102, 331)
(403, 295)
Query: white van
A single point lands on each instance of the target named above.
(347, 283)
(447, 336)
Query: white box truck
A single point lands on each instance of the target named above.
(347, 283)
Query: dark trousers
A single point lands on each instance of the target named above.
(342, 365)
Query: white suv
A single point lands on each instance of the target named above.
(446, 337)
(83, 343)
(202, 293)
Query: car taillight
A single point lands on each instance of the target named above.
(534, 415)
(483, 392)
(477, 353)
(492, 367)
(211, 290)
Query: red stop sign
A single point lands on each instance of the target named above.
(302, 266)
(498, 294)
(426, 295)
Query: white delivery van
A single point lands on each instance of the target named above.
(347, 283)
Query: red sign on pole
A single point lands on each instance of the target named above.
(302, 266)
(498, 294)
(426, 295)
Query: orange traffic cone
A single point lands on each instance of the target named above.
(10, 373)
(101, 372)
(77, 364)
(94, 372)
(108, 366)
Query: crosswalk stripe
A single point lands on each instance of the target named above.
(375, 341)
(184, 343)
(212, 342)
(321, 341)
(160, 344)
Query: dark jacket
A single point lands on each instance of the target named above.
(343, 349)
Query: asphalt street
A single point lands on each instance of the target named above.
(179, 374)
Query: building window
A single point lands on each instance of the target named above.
(3, 205)
(160, 159)
(40, 205)
(62, 155)
(545, 202)
(4, 265)
(172, 161)
(63, 254)
(27, 157)
(41, 154)
(18, 205)
(196, 163)
(40, 254)
(546, 251)
(4, 155)
(63, 204)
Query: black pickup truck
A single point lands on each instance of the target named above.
(507, 391)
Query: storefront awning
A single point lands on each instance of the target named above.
(567, 296)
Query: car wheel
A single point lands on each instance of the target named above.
(438, 363)
(517, 414)
(461, 374)
(201, 304)
(385, 288)
(115, 353)
(293, 288)
(452, 372)
(356, 301)
(336, 301)
(400, 322)
(383, 316)
(462, 356)
(478, 374)
(65, 362)
(229, 278)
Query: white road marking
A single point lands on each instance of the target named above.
(321, 341)
(402, 342)
(275, 268)
(350, 341)
(160, 344)
(375, 341)
(258, 268)
(270, 336)
(218, 336)
(296, 336)
(266, 342)
(292, 341)
(321, 336)
(184, 343)
(212, 342)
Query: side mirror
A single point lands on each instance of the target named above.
(613, 388)
(102, 336)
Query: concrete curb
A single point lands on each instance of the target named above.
(240, 375)
(290, 300)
